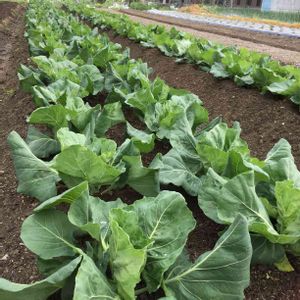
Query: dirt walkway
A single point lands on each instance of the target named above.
(16, 262)
(285, 50)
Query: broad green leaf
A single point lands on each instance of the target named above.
(68, 196)
(141, 99)
(68, 138)
(222, 200)
(91, 214)
(272, 210)
(128, 220)
(167, 221)
(39, 290)
(181, 46)
(57, 69)
(295, 248)
(280, 164)
(40, 144)
(160, 89)
(51, 228)
(44, 96)
(219, 70)
(237, 164)
(243, 80)
(90, 283)
(49, 266)
(126, 149)
(29, 78)
(214, 145)
(142, 140)
(102, 57)
(265, 252)
(174, 169)
(81, 114)
(284, 265)
(35, 177)
(183, 141)
(127, 251)
(81, 163)
(105, 147)
(263, 77)
(111, 115)
(222, 273)
(57, 92)
(54, 116)
(87, 124)
(185, 109)
(91, 78)
(288, 204)
(143, 180)
(286, 88)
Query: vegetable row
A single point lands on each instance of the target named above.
(245, 67)
(113, 249)
(215, 164)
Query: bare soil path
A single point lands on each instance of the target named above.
(284, 49)
(16, 262)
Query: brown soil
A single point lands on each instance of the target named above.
(16, 263)
(285, 43)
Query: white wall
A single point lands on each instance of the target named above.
(285, 5)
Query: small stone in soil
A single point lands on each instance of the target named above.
(5, 257)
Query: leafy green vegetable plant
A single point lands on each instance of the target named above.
(141, 242)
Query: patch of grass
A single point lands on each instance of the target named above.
(8, 92)
(146, 6)
(290, 17)
(16, 1)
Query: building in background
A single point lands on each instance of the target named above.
(269, 5)
(247, 3)
(281, 5)
(265, 5)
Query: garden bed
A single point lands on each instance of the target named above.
(264, 120)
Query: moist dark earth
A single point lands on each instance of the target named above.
(264, 119)
(16, 263)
